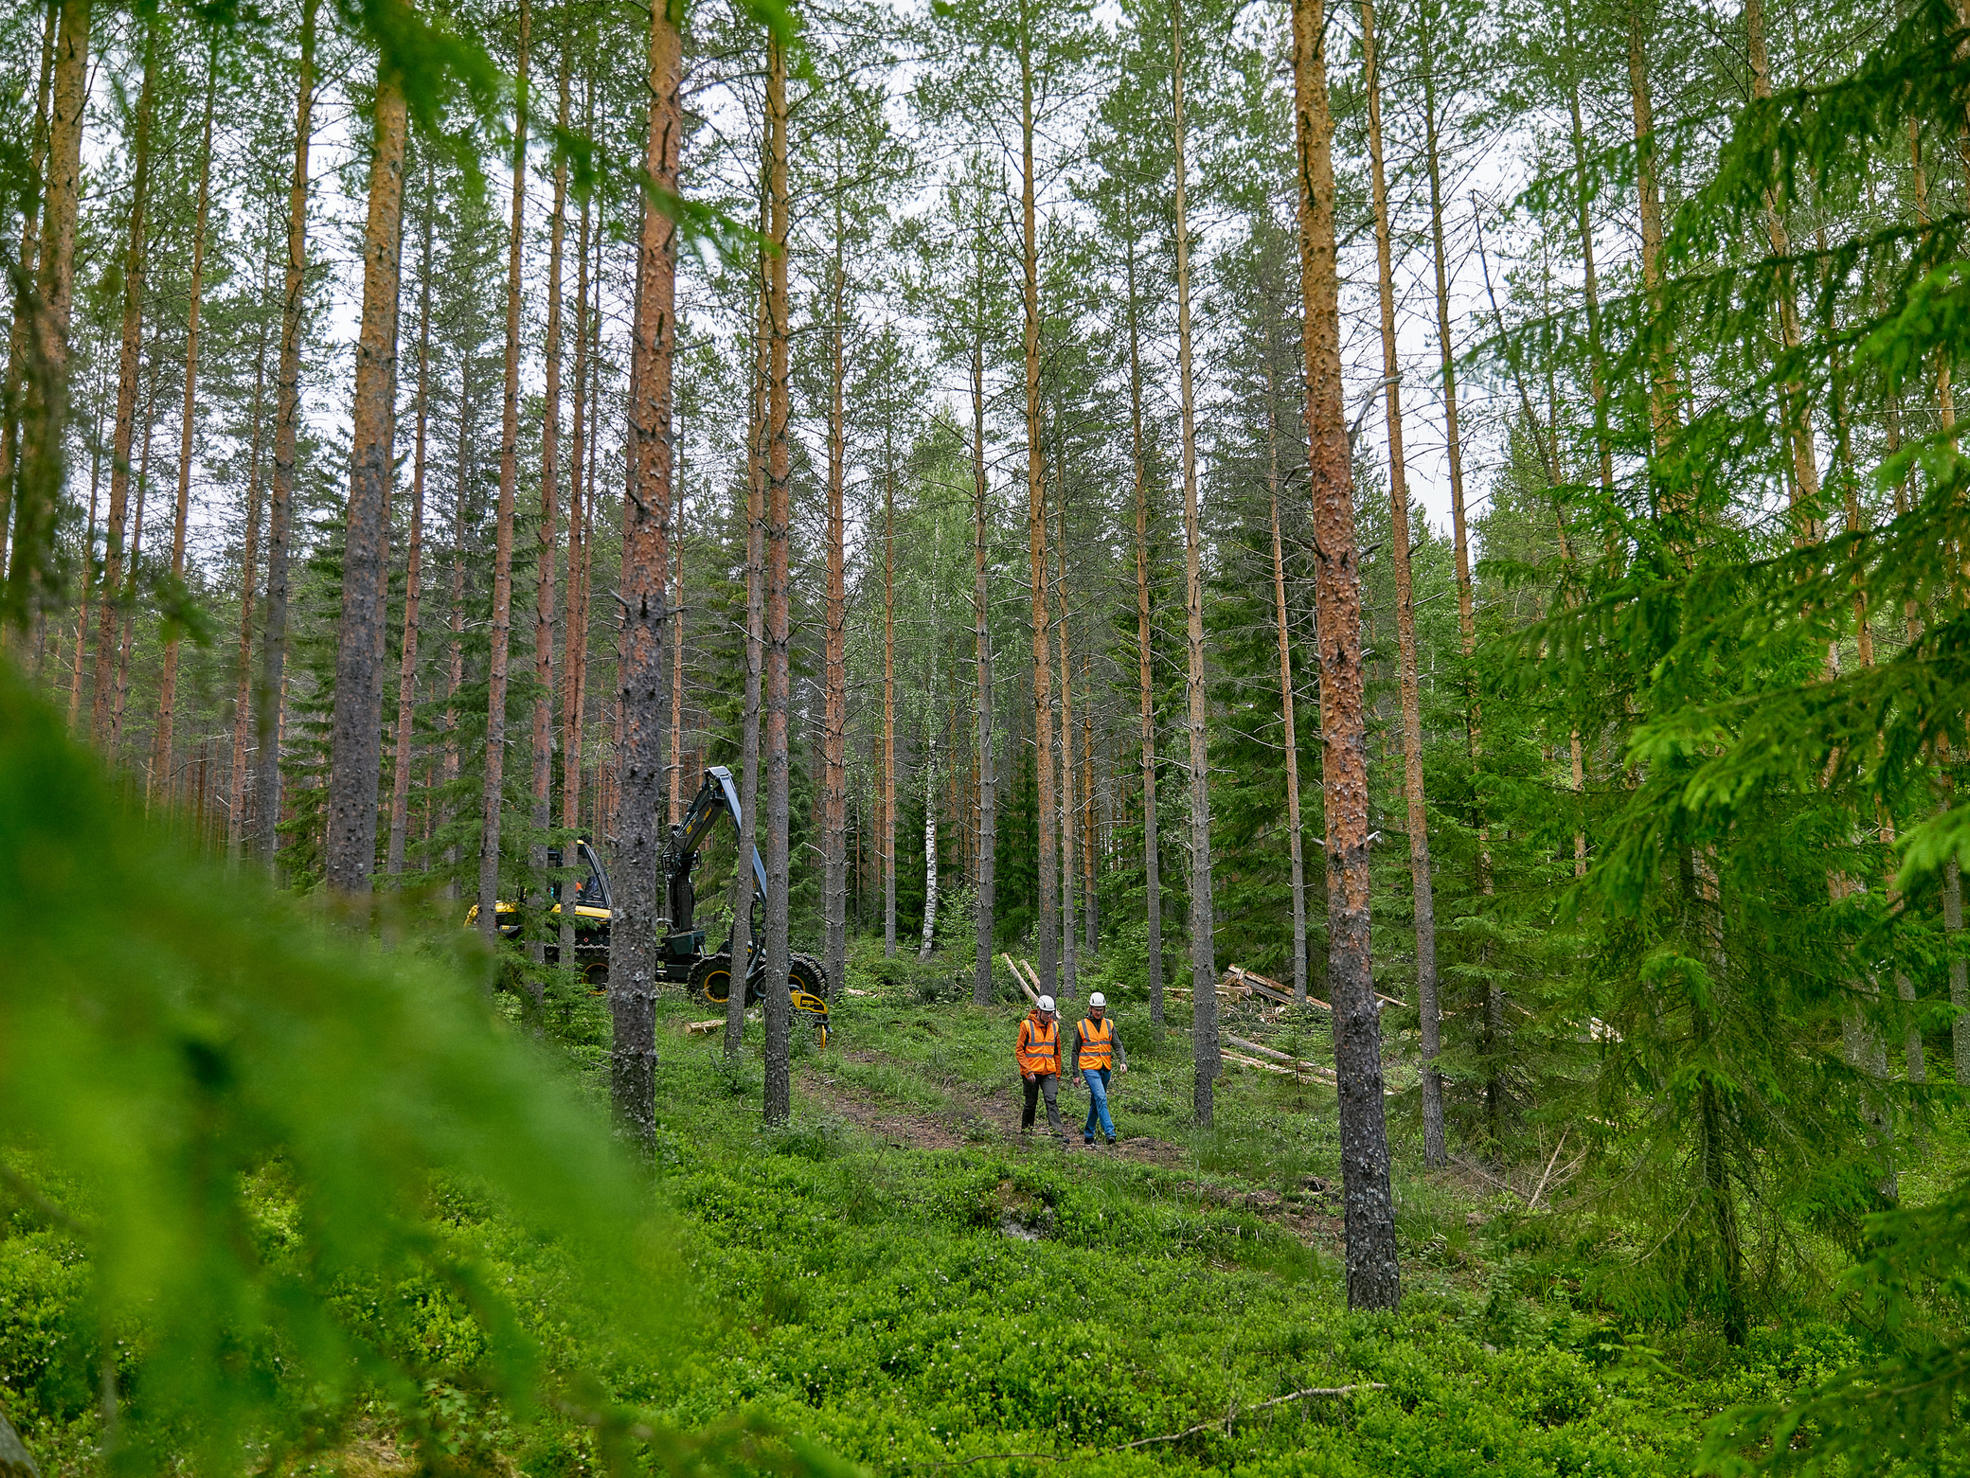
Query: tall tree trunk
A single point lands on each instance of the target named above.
(355, 740)
(645, 565)
(834, 734)
(988, 791)
(236, 791)
(135, 256)
(1151, 843)
(167, 692)
(744, 945)
(1069, 955)
(929, 852)
(1286, 708)
(1435, 1155)
(1203, 957)
(414, 557)
(676, 766)
(492, 796)
(550, 515)
(287, 428)
(1583, 203)
(779, 1013)
(23, 314)
(575, 620)
(126, 599)
(1046, 945)
(455, 650)
(888, 842)
(1663, 393)
(39, 476)
(1421, 891)
(1090, 906)
(1373, 1275)
(88, 566)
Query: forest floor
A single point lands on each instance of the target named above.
(902, 1278)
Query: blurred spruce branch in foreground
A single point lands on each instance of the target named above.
(251, 1124)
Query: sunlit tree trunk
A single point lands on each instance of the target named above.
(1151, 843)
(493, 794)
(355, 738)
(413, 559)
(167, 691)
(550, 514)
(82, 627)
(135, 255)
(1203, 956)
(272, 687)
(1421, 890)
(645, 566)
(1373, 1274)
(778, 1011)
(1046, 945)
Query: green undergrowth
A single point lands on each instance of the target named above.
(1000, 1308)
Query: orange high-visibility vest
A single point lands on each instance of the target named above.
(1039, 1045)
(1097, 1043)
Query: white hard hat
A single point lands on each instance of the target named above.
(1046, 1003)
(1097, 1000)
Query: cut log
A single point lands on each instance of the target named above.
(696, 1028)
(1275, 1054)
(1020, 980)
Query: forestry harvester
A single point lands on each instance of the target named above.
(681, 954)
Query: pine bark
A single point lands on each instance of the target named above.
(988, 791)
(778, 1010)
(125, 606)
(249, 561)
(545, 592)
(1090, 904)
(135, 260)
(834, 734)
(1421, 891)
(82, 627)
(401, 757)
(1203, 957)
(44, 424)
(1151, 842)
(167, 692)
(645, 565)
(355, 738)
(1373, 1275)
(676, 766)
(455, 648)
(287, 429)
(1046, 946)
(498, 675)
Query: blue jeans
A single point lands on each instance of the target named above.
(1097, 1080)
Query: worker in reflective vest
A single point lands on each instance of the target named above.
(1097, 1051)
(1038, 1055)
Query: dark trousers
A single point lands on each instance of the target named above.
(1041, 1083)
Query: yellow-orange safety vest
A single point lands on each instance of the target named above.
(1097, 1043)
(1039, 1045)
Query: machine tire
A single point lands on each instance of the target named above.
(711, 979)
(805, 973)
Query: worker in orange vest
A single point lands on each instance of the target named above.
(1038, 1055)
(1097, 1050)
